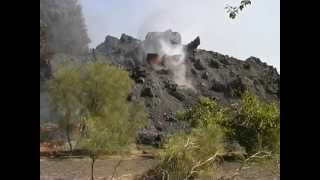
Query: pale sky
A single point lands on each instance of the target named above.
(255, 32)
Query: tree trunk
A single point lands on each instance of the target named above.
(259, 141)
(115, 169)
(67, 119)
(68, 137)
(92, 165)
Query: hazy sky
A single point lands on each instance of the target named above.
(255, 32)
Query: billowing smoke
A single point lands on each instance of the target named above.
(170, 55)
(62, 30)
(175, 62)
(63, 23)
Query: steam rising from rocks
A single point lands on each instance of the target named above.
(177, 65)
(171, 54)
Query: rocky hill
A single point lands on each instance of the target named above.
(171, 76)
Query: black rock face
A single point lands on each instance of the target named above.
(194, 44)
(210, 74)
(198, 65)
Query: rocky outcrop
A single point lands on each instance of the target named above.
(194, 44)
(210, 74)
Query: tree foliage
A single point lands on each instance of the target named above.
(95, 96)
(64, 92)
(233, 11)
(253, 122)
(257, 124)
(188, 155)
(112, 122)
(206, 113)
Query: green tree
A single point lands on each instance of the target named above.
(63, 90)
(111, 121)
(257, 125)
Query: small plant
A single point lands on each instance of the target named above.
(180, 115)
(206, 113)
(44, 136)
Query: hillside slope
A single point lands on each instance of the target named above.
(166, 87)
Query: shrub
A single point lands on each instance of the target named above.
(257, 124)
(44, 136)
(180, 115)
(188, 155)
(207, 113)
(176, 160)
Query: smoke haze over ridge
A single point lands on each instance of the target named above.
(255, 32)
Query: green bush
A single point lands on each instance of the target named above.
(188, 155)
(253, 122)
(180, 115)
(44, 136)
(176, 160)
(206, 113)
(257, 124)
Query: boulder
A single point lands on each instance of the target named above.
(149, 136)
(147, 92)
(168, 36)
(194, 44)
(126, 39)
(205, 76)
(198, 65)
(213, 64)
(218, 86)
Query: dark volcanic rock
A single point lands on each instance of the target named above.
(149, 136)
(178, 94)
(218, 86)
(210, 74)
(129, 40)
(198, 65)
(169, 36)
(194, 44)
(236, 87)
(213, 64)
(147, 92)
(205, 75)
(246, 66)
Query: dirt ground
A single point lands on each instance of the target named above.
(79, 169)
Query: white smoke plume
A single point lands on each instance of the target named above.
(171, 57)
(176, 65)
